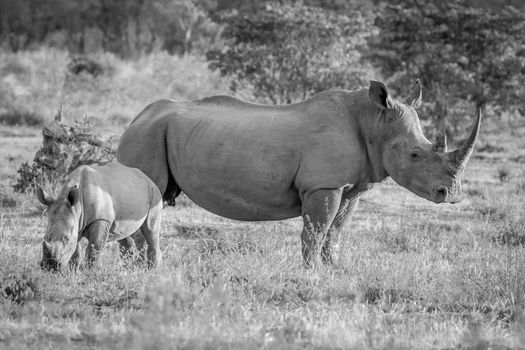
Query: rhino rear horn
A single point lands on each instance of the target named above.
(460, 157)
(415, 99)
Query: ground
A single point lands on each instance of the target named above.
(413, 274)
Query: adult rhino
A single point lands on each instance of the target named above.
(315, 158)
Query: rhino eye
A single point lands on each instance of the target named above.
(65, 239)
(415, 155)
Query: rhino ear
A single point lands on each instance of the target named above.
(43, 196)
(414, 99)
(73, 195)
(378, 94)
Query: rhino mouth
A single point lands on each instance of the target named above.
(49, 264)
(49, 258)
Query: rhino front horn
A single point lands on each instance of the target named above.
(460, 157)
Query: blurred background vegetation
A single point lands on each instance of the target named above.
(106, 59)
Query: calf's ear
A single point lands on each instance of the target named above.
(43, 196)
(73, 195)
(379, 95)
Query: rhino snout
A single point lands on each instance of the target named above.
(440, 194)
(51, 253)
(443, 194)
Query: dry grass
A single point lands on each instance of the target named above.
(111, 98)
(413, 275)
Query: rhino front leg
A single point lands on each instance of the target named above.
(319, 209)
(75, 260)
(97, 235)
(331, 244)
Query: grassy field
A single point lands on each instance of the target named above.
(414, 275)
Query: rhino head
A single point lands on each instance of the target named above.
(60, 240)
(429, 170)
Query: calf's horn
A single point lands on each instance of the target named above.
(441, 143)
(459, 158)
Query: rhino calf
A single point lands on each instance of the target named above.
(101, 203)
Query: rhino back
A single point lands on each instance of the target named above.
(246, 161)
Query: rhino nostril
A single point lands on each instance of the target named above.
(441, 194)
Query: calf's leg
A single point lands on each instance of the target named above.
(97, 235)
(74, 261)
(151, 232)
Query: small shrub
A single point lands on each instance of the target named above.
(21, 118)
(28, 177)
(65, 148)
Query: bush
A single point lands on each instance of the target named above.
(28, 176)
(21, 118)
(286, 53)
(65, 147)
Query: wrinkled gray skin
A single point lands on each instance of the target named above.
(101, 203)
(315, 158)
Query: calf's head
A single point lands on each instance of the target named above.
(60, 240)
(429, 170)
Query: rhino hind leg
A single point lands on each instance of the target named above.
(319, 211)
(128, 248)
(151, 232)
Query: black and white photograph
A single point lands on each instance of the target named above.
(262, 174)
